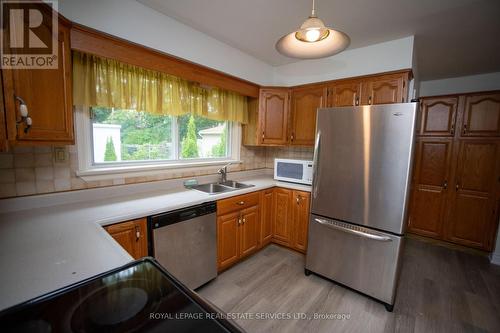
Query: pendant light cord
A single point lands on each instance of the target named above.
(313, 12)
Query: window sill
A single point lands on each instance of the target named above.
(107, 173)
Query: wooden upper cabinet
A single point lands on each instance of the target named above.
(282, 229)
(438, 116)
(430, 186)
(384, 89)
(481, 115)
(267, 216)
(300, 219)
(305, 103)
(132, 236)
(345, 94)
(273, 116)
(48, 97)
(473, 213)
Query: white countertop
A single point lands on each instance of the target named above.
(43, 249)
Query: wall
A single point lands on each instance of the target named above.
(133, 21)
(377, 58)
(463, 84)
(32, 170)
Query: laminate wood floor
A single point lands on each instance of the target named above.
(440, 290)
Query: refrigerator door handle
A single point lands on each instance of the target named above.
(315, 164)
(334, 225)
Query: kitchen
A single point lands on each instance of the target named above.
(203, 147)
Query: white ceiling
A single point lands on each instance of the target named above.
(452, 37)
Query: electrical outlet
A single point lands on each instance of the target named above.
(60, 155)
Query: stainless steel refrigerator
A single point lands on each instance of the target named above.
(362, 169)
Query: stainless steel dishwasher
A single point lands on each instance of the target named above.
(184, 241)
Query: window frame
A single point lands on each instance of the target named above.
(88, 170)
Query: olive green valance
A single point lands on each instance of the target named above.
(109, 83)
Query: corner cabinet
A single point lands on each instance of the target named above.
(304, 106)
(47, 94)
(132, 236)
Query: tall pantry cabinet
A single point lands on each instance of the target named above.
(456, 181)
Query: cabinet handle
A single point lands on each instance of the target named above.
(356, 100)
(263, 135)
(298, 199)
(445, 185)
(137, 233)
(239, 220)
(291, 137)
(457, 186)
(369, 100)
(241, 203)
(23, 112)
(244, 220)
(465, 129)
(452, 132)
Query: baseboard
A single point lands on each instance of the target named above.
(495, 258)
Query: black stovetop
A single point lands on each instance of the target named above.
(138, 297)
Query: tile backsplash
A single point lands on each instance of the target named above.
(33, 170)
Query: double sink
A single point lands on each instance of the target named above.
(221, 187)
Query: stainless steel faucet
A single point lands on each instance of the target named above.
(223, 172)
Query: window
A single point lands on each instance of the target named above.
(127, 139)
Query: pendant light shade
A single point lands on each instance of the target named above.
(313, 40)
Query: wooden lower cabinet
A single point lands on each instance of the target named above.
(291, 218)
(228, 239)
(302, 203)
(132, 236)
(282, 224)
(280, 216)
(473, 205)
(238, 230)
(430, 186)
(267, 216)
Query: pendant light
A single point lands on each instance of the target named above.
(313, 40)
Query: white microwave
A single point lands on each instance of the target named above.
(296, 171)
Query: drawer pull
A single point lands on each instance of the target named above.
(241, 203)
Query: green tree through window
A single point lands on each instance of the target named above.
(110, 153)
(189, 143)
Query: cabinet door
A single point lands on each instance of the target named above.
(3, 129)
(228, 239)
(300, 220)
(267, 217)
(430, 186)
(305, 103)
(438, 116)
(282, 229)
(386, 89)
(132, 236)
(472, 212)
(249, 231)
(273, 115)
(481, 115)
(345, 94)
(48, 97)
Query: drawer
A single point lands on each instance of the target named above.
(237, 203)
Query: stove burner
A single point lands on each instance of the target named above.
(117, 306)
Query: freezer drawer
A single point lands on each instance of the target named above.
(360, 258)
